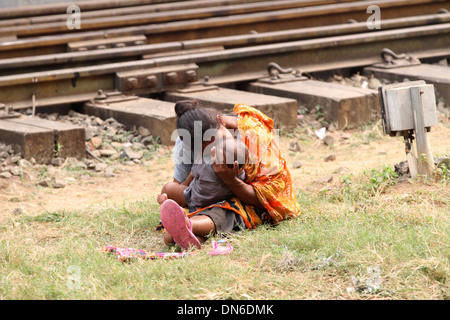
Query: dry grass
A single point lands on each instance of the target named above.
(356, 239)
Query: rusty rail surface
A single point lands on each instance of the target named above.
(219, 47)
(130, 51)
(92, 57)
(170, 11)
(49, 9)
(238, 64)
(318, 15)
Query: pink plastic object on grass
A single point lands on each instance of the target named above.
(219, 248)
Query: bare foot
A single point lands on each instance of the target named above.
(161, 198)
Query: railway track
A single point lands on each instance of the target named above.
(153, 53)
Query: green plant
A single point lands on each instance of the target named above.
(58, 148)
(319, 111)
(380, 179)
(442, 172)
(370, 183)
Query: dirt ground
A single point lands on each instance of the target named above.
(354, 150)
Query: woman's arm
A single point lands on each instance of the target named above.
(245, 192)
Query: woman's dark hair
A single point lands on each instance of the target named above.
(191, 114)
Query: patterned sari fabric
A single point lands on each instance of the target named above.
(128, 254)
(266, 171)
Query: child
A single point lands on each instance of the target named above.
(203, 186)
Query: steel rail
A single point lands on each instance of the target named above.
(56, 8)
(240, 64)
(251, 5)
(243, 12)
(16, 65)
(224, 26)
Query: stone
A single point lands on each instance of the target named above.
(53, 116)
(15, 171)
(340, 170)
(89, 133)
(127, 152)
(96, 142)
(107, 152)
(100, 167)
(98, 121)
(74, 163)
(374, 83)
(5, 175)
(116, 145)
(326, 179)
(138, 145)
(297, 165)
(57, 161)
(328, 140)
(15, 159)
(109, 171)
(332, 127)
(111, 131)
(143, 132)
(315, 124)
(96, 153)
(91, 165)
(331, 157)
(43, 183)
(294, 146)
(59, 183)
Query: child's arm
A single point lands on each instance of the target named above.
(188, 180)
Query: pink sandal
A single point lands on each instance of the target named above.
(174, 221)
(219, 249)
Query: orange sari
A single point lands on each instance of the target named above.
(267, 172)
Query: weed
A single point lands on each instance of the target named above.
(45, 217)
(371, 183)
(378, 179)
(442, 172)
(319, 111)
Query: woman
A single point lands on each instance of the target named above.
(266, 194)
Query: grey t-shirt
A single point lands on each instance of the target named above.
(182, 157)
(207, 187)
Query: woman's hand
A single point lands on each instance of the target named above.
(222, 169)
(245, 192)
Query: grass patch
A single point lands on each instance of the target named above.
(367, 238)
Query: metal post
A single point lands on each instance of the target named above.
(424, 155)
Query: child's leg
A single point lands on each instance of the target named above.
(202, 226)
(177, 227)
(174, 191)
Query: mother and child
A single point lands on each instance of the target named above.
(229, 175)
